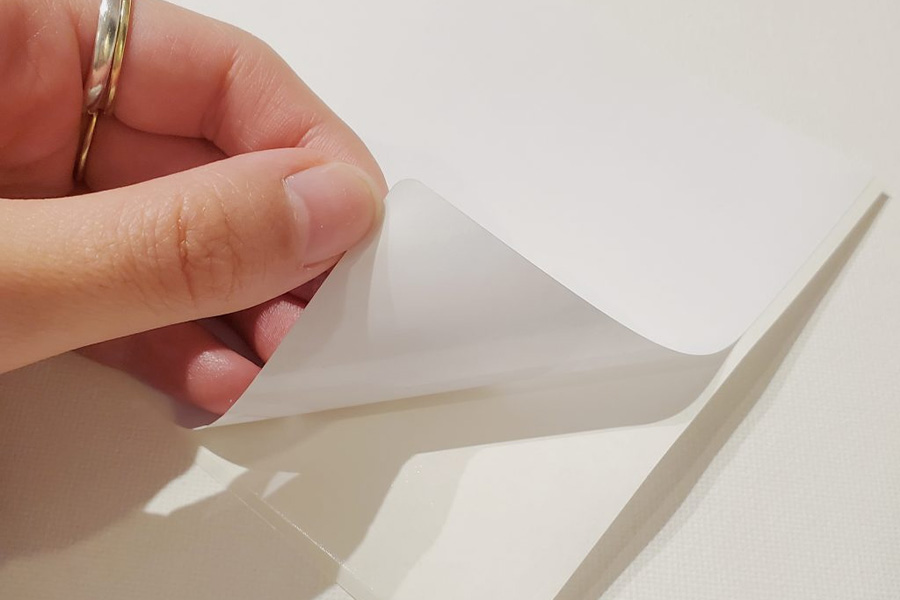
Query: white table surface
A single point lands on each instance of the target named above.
(801, 500)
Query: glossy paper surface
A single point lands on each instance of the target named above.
(434, 303)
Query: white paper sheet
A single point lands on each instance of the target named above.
(434, 303)
(668, 208)
(579, 149)
(673, 215)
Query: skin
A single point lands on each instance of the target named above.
(185, 213)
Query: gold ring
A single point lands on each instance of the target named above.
(103, 76)
(118, 54)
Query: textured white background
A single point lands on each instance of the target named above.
(803, 500)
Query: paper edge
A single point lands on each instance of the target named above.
(872, 198)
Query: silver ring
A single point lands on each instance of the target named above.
(108, 25)
(103, 76)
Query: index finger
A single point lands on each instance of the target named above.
(188, 75)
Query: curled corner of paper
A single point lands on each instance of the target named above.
(433, 302)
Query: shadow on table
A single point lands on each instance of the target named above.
(83, 450)
(676, 474)
(77, 452)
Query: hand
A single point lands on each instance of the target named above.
(220, 186)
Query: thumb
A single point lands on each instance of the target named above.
(212, 240)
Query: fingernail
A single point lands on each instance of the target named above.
(337, 203)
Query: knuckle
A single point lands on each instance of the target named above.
(208, 245)
(205, 248)
(256, 81)
(220, 239)
(192, 251)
